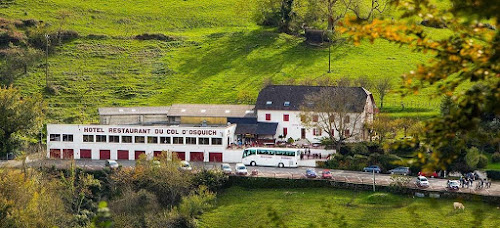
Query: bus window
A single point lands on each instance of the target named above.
(245, 153)
(253, 152)
(270, 152)
(279, 153)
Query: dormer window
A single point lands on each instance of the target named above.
(286, 104)
(269, 102)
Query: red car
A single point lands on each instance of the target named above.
(326, 174)
(428, 174)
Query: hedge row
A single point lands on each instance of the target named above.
(493, 174)
(264, 182)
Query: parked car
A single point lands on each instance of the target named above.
(184, 165)
(372, 168)
(311, 174)
(112, 164)
(226, 168)
(452, 185)
(326, 174)
(428, 174)
(422, 182)
(400, 170)
(240, 169)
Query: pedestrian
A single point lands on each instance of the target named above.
(461, 181)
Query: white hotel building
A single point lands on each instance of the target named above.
(195, 132)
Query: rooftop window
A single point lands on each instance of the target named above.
(286, 104)
(269, 102)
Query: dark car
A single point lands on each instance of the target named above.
(326, 174)
(400, 170)
(311, 174)
(372, 168)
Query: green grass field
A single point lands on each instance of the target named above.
(220, 57)
(238, 207)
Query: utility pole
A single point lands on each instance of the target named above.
(374, 180)
(47, 60)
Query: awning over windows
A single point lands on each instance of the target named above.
(257, 129)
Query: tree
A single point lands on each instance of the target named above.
(16, 62)
(382, 86)
(332, 110)
(18, 115)
(472, 157)
(469, 57)
(405, 124)
(382, 126)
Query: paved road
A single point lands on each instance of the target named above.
(436, 184)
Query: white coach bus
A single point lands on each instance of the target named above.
(280, 157)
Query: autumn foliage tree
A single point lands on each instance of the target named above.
(18, 115)
(469, 57)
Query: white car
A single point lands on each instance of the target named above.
(422, 182)
(240, 169)
(112, 164)
(184, 165)
(226, 168)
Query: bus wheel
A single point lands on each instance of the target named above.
(252, 163)
(281, 165)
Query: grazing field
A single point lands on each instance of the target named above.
(238, 207)
(220, 55)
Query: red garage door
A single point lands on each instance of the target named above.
(55, 153)
(138, 153)
(68, 153)
(123, 154)
(215, 157)
(104, 154)
(196, 156)
(180, 155)
(157, 153)
(85, 153)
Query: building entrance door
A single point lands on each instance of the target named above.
(302, 133)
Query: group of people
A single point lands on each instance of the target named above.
(469, 178)
(307, 155)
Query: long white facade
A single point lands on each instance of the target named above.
(128, 142)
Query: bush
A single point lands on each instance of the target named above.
(493, 174)
(385, 161)
(196, 203)
(360, 148)
(213, 179)
(483, 161)
(155, 36)
(495, 157)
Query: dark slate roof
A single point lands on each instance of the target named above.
(279, 94)
(266, 128)
(259, 128)
(238, 120)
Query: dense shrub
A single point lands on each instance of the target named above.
(495, 157)
(212, 179)
(483, 161)
(385, 161)
(360, 148)
(155, 36)
(493, 174)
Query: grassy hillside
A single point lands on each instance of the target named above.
(220, 56)
(239, 207)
